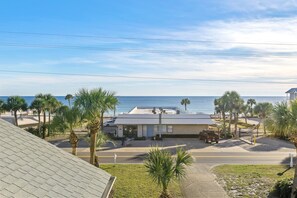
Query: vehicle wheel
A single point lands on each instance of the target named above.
(217, 141)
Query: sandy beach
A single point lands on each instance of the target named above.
(25, 119)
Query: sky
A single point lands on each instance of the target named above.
(148, 48)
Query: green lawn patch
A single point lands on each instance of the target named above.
(133, 181)
(251, 180)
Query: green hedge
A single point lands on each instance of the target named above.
(283, 188)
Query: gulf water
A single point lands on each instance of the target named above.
(204, 104)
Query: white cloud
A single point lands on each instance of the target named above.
(260, 5)
(228, 38)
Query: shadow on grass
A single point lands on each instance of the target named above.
(282, 173)
(273, 193)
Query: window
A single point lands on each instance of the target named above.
(156, 128)
(169, 129)
(160, 128)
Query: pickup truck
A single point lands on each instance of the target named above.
(209, 136)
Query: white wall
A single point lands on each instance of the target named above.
(144, 130)
(120, 131)
(293, 96)
(139, 130)
(188, 129)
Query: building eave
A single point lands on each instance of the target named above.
(109, 187)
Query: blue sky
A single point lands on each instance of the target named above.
(149, 39)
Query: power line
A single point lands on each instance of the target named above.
(146, 39)
(191, 51)
(148, 77)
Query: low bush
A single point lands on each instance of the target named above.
(180, 135)
(33, 131)
(283, 188)
(140, 138)
(157, 137)
(227, 135)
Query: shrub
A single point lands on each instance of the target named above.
(33, 130)
(228, 135)
(283, 188)
(140, 138)
(157, 137)
(180, 135)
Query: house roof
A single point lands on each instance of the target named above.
(292, 90)
(149, 110)
(135, 119)
(32, 167)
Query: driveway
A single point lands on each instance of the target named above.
(269, 144)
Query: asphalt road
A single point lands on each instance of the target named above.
(200, 157)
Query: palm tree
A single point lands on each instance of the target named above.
(48, 104)
(185, 102)
(109, 101)
(67, 119)
(90, 105)
(45, 100)
(69, 97)
(294, 186)
(279, 120)
(263, 110)
(293, 138)
(15, 104)
(293, 120)
(238, 106)
(221, 107)
(245, 110)
(52, 105)
(100, 141)
(251, 102)
(37, 104)
(2, 107)
(163, 168)
(283, 123)
(232, 98)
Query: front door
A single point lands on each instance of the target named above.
(150, 130)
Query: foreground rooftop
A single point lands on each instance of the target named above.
(32, 167)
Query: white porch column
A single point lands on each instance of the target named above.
(144, 130)
(139, 130)
(120, 130)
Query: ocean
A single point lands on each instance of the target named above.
(202, 104)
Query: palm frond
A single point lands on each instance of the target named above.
(183, 159)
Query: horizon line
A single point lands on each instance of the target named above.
(159, 95)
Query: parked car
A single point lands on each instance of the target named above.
(209, 136)
(109, 123)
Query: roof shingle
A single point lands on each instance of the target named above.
(32, 167)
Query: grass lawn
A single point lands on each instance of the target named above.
(250, 180)
(133, 181)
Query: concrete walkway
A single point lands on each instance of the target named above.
(201, 183)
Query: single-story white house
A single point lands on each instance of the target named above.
(292, 94)
(144, 123)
